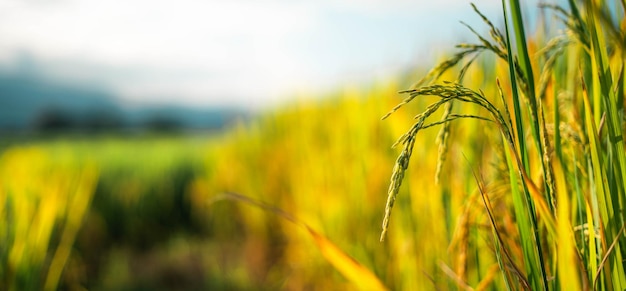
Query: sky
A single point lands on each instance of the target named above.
(241, 53)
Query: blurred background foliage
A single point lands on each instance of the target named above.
(151, 224)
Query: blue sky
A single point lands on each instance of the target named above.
(245, 53)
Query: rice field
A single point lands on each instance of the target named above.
(508, 172)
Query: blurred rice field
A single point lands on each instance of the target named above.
(139, 213)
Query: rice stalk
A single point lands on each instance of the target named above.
(577, 146)
(523, 204)
(507, 265)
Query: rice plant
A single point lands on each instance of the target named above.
(43, 201)
(527, 159)
(562, 145)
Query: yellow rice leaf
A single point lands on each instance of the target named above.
(568, 261)
(359, 275)
(356, 273)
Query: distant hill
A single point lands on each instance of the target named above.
(30, 103)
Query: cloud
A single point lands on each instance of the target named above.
(238, 51)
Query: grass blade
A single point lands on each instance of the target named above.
(524, 207)
(355, 272)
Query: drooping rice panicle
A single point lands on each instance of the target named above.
(573, 207)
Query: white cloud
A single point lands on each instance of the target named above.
(146, 30)
(204, 51)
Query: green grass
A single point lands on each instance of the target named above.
(134, 196)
